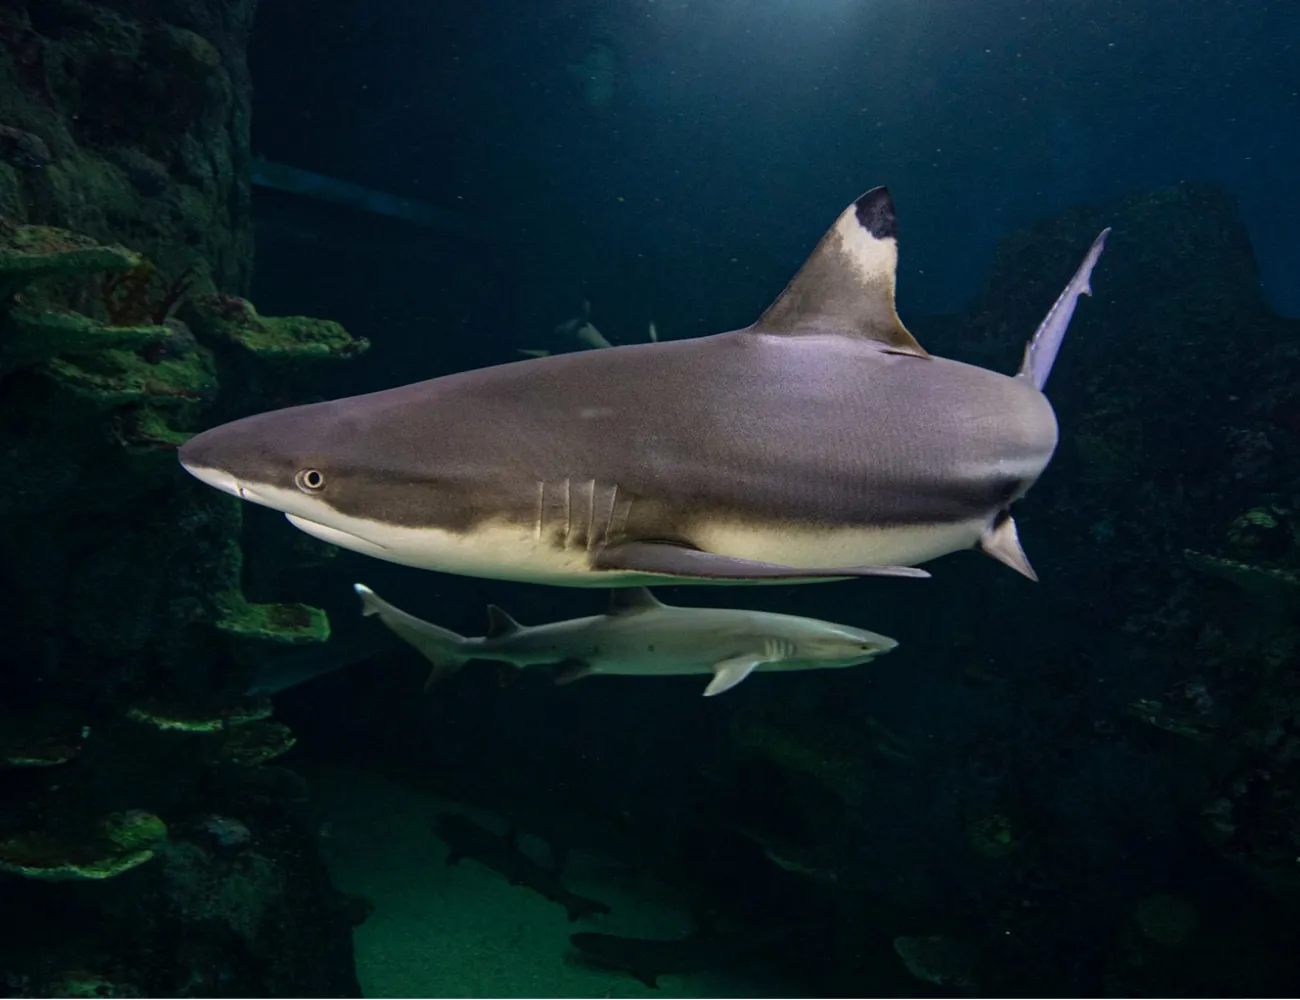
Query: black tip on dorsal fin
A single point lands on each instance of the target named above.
(875, 213)
(500, 623)
(627, 600)
(846, 286)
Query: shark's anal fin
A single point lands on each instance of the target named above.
(629, 600)
(665, 559)
(1002, 542)
(846, 286)
(729, 673)
(1041, 351)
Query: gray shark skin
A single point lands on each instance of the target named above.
(640, 636)
(820, 443)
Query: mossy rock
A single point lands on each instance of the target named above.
(1262, 580)
(119, 377)
(799, 748)
(30, 336)
(30, 253)
(992, 835)
(257, 742)
(40, 739)
(123, 841)
(149, 429)
(285, 624)
(229, 319)
(194, 719)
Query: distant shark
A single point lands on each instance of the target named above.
(641, 636)
(820, 443)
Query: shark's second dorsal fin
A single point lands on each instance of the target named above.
(846, 286)
(499, 623)
(629, 600)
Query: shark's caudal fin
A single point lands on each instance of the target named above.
(846, 286)
(446, 650)
(1042, 348)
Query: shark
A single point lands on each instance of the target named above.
(642, 636)
(820, 443)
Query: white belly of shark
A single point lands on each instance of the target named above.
(510, 552)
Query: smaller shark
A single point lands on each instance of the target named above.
(641, 636)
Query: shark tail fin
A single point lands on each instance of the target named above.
(1042, 348)
(445, 649)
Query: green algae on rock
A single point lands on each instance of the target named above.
(31, 253)
(32, 336)
(227, 318)
(123, 841)
(1264, 580)
(40, 739)
(117, 378)
(257, 742)
(287, 624)
(187, 719)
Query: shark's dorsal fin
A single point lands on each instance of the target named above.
(629, 600)
(846, 286)
(499, 623)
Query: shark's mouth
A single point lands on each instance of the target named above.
(335, 536)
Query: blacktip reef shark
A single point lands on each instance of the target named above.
(820, 443)
(641, 636)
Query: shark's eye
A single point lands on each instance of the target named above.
(310, 480)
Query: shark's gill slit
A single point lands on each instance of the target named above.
(568, 512)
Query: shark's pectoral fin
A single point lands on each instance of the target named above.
(665, 559)
(1002, 542)
(846, 286)
(729, 673)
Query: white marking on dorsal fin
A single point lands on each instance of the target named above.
(500, 624)
(729, 673)
(630, 600)
(1002, 542)
(846, 286)
(1041, 351)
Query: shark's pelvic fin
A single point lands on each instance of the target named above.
(1042, 348)
(1002, 542)
(500, 624)
(847, 284)
(568, 671)
(664, 559)
(629, 600)
(729, 673)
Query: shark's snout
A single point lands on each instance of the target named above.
(216, 478)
